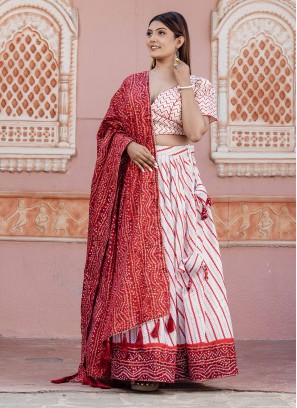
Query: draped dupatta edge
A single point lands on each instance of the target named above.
(128, 118)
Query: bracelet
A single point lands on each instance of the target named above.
(185, 87)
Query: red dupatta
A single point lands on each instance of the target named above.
(125, 277)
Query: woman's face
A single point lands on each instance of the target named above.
(161, 41)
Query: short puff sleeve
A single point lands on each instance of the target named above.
(205, 96)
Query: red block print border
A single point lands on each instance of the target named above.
(157, 362)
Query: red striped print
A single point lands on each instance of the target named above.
(199, 307)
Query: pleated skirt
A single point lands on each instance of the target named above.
(195, 341)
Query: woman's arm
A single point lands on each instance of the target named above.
(196, 102)
(194, 123)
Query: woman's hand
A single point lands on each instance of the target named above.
(141, 156)
(182, 73)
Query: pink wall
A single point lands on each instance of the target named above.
(41, 282)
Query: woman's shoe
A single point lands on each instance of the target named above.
(144, 386)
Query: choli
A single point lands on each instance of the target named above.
(166, 108)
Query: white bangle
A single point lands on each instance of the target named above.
(185, 87)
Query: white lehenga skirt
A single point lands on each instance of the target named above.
(195, 342)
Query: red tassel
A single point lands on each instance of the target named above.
(170, 324)
(64, 379)
(86, 380)
(95, 383)
(204, 212)
(155, 332)
(139, 340)
(106, 356)
(125, 347)
(205, 268)
(209, 201)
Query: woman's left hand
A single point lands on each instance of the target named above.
(182, 73)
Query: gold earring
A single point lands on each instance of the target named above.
(153, 63)
(177, 56)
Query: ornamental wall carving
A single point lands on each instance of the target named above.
(253, 71)
(38, 53)
(239, 221)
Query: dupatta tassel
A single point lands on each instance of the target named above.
(170, 324)
(204, 212)
(125, 347)
(139, 340)
(64, 379)
(155, 332)
(209, 201)
(204, 203)
(107, 354)
(205, 268)
(94, 382)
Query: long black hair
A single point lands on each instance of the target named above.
(176, 23)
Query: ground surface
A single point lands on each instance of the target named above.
(266, 379)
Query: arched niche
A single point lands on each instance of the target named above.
(253, 65)
(38, 54)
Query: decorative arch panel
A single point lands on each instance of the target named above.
(253, 65)
(38, 53)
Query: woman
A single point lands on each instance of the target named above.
(154, 306)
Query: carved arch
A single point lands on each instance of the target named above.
(253, 65)
(38, 53)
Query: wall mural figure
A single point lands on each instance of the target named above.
(265, 224)
(62, 217)
(284, 222)
(245, 217)
(21, 211)
(42, 220)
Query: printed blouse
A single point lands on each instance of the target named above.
(167, 112)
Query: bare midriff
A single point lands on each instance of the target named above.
(171, 140)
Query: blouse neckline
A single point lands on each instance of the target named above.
(165, 90)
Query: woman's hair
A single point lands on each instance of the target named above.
(177, 23)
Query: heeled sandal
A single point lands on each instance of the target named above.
(144, 386)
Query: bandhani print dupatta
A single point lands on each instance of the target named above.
(126, 281)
